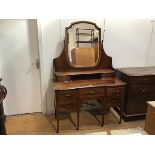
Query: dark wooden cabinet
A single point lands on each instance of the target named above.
(140, 89)
(74, 83)
(3, 93)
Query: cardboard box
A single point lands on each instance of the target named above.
(150, 118)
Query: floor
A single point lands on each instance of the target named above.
(38, 124)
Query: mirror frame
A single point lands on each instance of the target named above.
(67, 42)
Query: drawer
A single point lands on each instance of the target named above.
(66, 95)
(92, 92)
(143, 79)
(62, 78)
(67, 106)
(137, 104)
(141, 89)
(115, 92)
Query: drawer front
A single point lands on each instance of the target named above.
(141, 89)
(66, 96)
(137, 104)
(66, 100)
(92, 92)
(115, 92)
(66, 106)
(143, 79)
(62, 78)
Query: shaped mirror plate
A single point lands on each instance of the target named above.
(83, 45)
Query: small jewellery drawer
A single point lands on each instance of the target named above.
(138, 89)
(66, 95)
(115, 92)
(91, 92)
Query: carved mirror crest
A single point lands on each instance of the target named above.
(83, 46)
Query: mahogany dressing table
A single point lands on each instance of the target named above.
(83, 71)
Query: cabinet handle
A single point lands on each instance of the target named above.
(67, 106)
(92, 92)
(143, 90)
(67, 95)
(116, 91)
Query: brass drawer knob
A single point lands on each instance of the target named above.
(117, 91)
(67, 95)
(144, 90)
(145, 79)
(67, 106)
(91, 92)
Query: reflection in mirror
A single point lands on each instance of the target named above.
(83, 45)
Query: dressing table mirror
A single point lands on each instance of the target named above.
(83, 47)
(83, 71)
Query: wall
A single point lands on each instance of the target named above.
(50, 47)
(126, 41)
(150, 57)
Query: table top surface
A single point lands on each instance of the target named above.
(138, 71)
(104, 71)
(87, 84)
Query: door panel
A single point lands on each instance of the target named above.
(18, 54)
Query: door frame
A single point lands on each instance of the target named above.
(42, 77)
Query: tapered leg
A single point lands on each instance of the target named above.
(57, 114)
(102, 118)
(55, 108)
(103, 110)
(121, 109)
(77, 128)
(120, 114)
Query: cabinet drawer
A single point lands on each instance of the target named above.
(143, 79)
(115, 92)
(141, 89)
(66, 95)
(137, 104)
(92, 92)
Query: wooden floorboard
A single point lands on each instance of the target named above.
(38, 124)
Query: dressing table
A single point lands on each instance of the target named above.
(83, 71)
